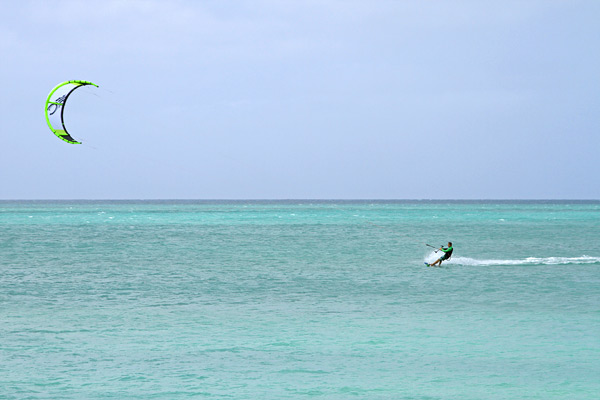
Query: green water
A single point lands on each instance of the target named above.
(299, 299)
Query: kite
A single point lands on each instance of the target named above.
(55, 107)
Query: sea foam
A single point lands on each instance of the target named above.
(526, 261)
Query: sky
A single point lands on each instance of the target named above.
(273, 99)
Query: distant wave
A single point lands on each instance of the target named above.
(526, 261)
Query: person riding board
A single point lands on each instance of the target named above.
(446, 256)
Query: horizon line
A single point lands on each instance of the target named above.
(312, 199)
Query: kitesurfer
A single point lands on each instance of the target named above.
(446, 256)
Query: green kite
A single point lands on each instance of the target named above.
(55, 107)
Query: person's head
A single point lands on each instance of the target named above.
(449, 244)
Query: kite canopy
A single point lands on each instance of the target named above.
(55, 107)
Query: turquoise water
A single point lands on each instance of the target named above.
(298, 299)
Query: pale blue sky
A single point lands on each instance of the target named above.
(303, 99)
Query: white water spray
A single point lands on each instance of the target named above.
(525, 261)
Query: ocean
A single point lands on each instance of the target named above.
(299, 300)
